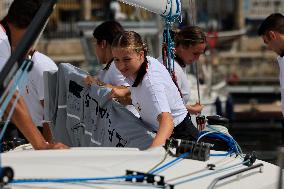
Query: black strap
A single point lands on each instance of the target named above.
(141, 73)
(108, 64)
(5, 25)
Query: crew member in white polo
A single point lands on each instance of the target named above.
(34, 91)
(12, 29)
(109, 76)
(153, 92)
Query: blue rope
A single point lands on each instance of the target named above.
(178, 6)
(169, 20)
(20, 80)
(232, 144)
(11, 90)
(159, 169)
(125, 177)
(18, 74)
(63, 180)
(227, 139)
(9, 117)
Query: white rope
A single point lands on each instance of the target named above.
(218, 128)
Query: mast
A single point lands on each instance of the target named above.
(240, 20)
(193, 20)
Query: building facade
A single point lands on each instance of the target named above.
(260, 9)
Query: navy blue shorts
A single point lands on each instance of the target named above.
(186, 130)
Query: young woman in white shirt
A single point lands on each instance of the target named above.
(109, 76)
(190, 44)
(153, 92)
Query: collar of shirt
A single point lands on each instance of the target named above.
(129, 81)
(280, 59)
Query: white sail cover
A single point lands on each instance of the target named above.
(83, 116)
(162, 7)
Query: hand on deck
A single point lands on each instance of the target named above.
(54, 146)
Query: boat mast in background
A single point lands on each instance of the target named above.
(192, 6)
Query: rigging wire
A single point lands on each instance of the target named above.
(96, 183)
(168, 41)
(222, 161)
(117, 183)
(193, 20)
(162, 161)
(10, 90)
(169, 164)
(19, 80)
(211, 173)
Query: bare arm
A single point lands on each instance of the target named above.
(166, 126)
(121, 93)
(47, 134)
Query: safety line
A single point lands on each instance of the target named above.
(211, 173)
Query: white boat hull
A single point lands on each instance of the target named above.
(106, 162)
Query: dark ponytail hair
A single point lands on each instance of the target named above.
(130, 40)
(107, 31)
(190, 36)
(133, 41)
